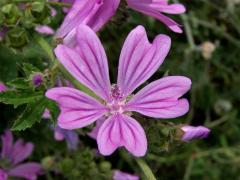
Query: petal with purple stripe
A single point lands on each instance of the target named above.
(160, 99)
(122, 130)
(77, 109)
(139, 59)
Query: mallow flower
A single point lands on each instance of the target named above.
(139, 59)
(96, 13)
(12, 157)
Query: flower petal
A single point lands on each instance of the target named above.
(21, 151)
(119, 175)
(77, 109)
(7, 143)
(160, 99)
(105, 12)
(152, 9)
(191, 132)
(3, 87)
(70, 136)
(43, 29)
(88, 64)
(139, 59)
(80, 13)
(28, 171)
(93, 54)
(121, 130)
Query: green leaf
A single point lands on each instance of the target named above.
(53, 108)
(17, 98)
(19, 83)
(31, 115)
(29, 69)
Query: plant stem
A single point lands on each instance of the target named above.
(146, 169)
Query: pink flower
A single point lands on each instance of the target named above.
(2, 87)
(155, 8)
(94, 13)
(118, 175)
(139, 59)
(14, 155)
(191, 132)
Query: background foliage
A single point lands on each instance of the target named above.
(207, 52)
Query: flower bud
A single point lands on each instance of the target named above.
(191, 132)
(207, 49)
(105, 166)
(48, 162)
(17, 37)
(222, 106)
(37, 80)
(11, 13)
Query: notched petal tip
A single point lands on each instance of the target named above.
(165, 42)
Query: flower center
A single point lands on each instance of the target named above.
(117, 102)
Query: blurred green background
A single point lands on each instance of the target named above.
(208, 52)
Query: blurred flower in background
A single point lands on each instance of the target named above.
(208, 49)
(13, 156)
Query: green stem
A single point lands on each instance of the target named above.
(188, 30)
(146, 169)
(188, 169)
(46, 47)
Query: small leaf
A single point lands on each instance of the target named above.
(53, 108)
(29, 69)
(31, 115)
(17, 98)
(18, 83)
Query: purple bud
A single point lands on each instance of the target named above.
(191, 132)
(37, 79)
(2, 87)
